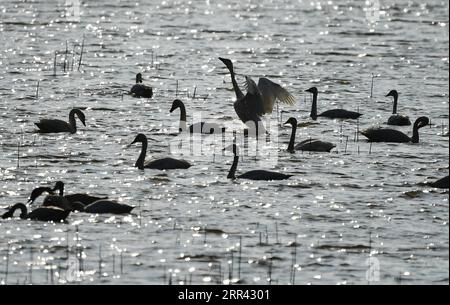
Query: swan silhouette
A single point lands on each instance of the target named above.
(56, 126)
(141, 90)
(395, 136)
(200, 127)
(254, 174)
(160, 164)
(397, 119)
(42, 214)
(259, 99)
(331, 114)
(307, 145)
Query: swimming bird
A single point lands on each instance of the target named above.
(331, 114)
(442, 183)
(141, 90)
(397, 119)
(85, 199)
(161, 164)
(200, 127)
(259, 99)
(395, 136)
(42, 214)
(51, 200)
(307, 145)
(55, 126)
(254, 174)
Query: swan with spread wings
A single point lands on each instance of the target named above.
(259, 100)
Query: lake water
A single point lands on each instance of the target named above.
(358, 215)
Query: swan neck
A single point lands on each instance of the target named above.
(415, 137)
(394, 110)
(72, 122)
(183, 118)
(22, 208)
(292, 141)
(232, 173)
(237, 90)
(314, 107)
(140, 161)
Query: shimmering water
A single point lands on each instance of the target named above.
(195, 226)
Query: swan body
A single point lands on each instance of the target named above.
(200, 127)
(307, 145)
(160, 164)
(331, 114)
(141, 90)
(397, 119)
(104, 207)
(395, 136)
(56, 126)
(254, 174)
(42, 214)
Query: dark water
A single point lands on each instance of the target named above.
(195, 226)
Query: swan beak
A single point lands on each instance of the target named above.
(172, 109)
(287, 122)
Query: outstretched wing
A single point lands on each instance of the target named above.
(270, 92)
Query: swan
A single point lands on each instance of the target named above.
(141, 90)
(161, 164)
(307, 145)
(254, 174)
(331, 114)
(201, 127)
(259, 99)
(395, 136)
(43, 213)
(442, 183)
(55, 126)
(85, 199)
(397, 119)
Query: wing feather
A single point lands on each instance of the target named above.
(270, 92)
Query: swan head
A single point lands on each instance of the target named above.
(140, 138)
(292, 121)
(393, 93)
(176, 104)
(59, 186)
(80, 115)
(422, 122)
(228, 63)
(312, 90)
(138, 78)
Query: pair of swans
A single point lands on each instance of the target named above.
(171, 164)
(78, 202)
(258, 100)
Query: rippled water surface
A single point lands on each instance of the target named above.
(196, 226)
